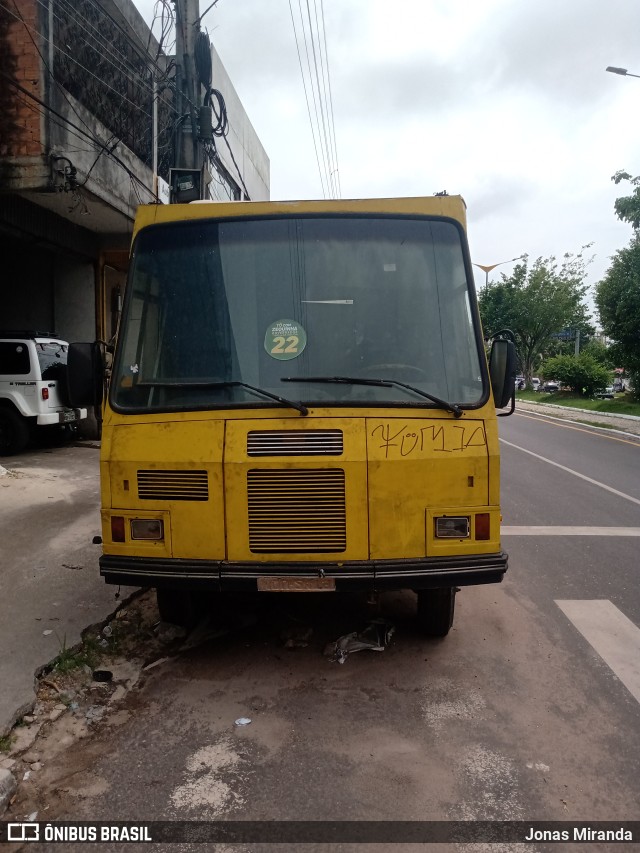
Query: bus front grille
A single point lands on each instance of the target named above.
(173, 485)
(297, 511)
(295, 442)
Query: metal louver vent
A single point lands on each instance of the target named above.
(173, 485)
(297, 511)
(295, 442)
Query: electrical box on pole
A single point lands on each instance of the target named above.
(186, 185)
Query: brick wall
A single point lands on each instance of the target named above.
(20, 118)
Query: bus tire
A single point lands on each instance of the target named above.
(14, 432)
(179, 607)
(435, 610)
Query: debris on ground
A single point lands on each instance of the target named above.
(375, 637)
(296, 638)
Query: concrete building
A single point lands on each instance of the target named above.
(79, 137)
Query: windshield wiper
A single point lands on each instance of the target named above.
(385, 383)
(231, 384)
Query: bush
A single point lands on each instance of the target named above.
(581, 373)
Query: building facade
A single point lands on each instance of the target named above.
(90, 127)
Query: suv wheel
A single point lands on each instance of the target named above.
(14, 432)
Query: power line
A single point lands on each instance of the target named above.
(304, 85)
(319, 94)
(317, 78)
(333, 126)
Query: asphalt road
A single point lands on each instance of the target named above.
(528, 710)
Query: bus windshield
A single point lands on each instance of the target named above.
(218, 311)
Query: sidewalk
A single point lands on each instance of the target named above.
(50, 587)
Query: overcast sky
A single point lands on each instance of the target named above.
(505, 102)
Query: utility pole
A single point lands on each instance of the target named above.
(187, 148)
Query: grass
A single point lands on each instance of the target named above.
(5, 743)
(620, 405)
(87, 653)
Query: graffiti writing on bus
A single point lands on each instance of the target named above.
(414, 440)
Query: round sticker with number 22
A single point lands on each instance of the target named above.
(285, 339)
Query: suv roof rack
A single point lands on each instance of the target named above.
(27, 333)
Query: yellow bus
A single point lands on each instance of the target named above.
(300, 401)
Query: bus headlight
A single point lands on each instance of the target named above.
(147, 528)
(452, 527)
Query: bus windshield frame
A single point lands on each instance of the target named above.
(218, 310)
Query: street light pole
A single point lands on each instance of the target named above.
(487, 268)
(621, 71)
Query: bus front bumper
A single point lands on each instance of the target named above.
(377, 575)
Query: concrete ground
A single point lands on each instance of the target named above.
(50, 587)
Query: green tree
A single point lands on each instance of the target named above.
(618, 301)
(601, 353)
(537, 303)
(582, 373)
(628, 207)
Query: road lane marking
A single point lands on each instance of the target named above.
(575, 473)
(552, 422)
(559, 530)
(613, 636)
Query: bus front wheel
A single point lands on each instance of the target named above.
(435, 610)
(180, 607)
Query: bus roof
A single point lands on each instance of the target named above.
(448, 206)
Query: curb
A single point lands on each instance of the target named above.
(581, 422)
(582, 411)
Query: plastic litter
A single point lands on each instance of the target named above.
(375, 638)
(242, 721)
(47, 633)
(107, 631)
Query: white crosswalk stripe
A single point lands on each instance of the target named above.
(613, 636)
(561, 530)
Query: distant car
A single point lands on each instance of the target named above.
(606, 393)
(618, 385)
(535, 383)
(550, 387)
(520, 383)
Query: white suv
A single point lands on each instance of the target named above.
(33, 387)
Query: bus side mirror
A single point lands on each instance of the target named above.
(502, 370)
(85, 373)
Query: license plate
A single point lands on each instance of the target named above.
(296, 584)
(68, 416)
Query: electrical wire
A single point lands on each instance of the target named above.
(304, 85)
(320, 101)
(316, 81)
(332, 119)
